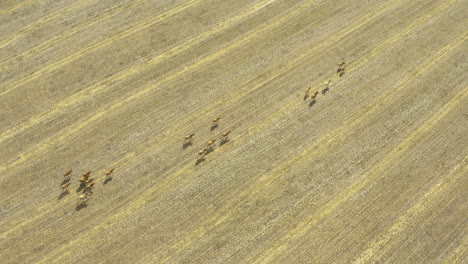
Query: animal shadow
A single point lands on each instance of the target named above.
(209, 150)
(338, 71)
(65, 181)
(106, 181)
(342, 73)
(312, 103)
(223, 142)
(63, 194)
(200, 160)
(186, 145)
(213, 127)
(324, 91)
(81, 206)
(81, 187)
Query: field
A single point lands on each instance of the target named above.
(374, 170)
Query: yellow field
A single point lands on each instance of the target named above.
(374, 171)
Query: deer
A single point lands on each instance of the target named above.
(88, 188)
(341, 66)
(65, 187)
(109, 173)
(313, 97)
(83, 179)
(306, 95)
(224, 136)
(188, 138)
(89, 180)
(211, 143)
(214, 122)
(202, 154)
(67, 175)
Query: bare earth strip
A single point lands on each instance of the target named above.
(373, 171)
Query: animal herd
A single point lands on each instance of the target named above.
(210, 143)
(340, 71)
(86, 186)
(85, 189)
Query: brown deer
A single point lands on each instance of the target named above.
(83, 179)
(202, 154)
(89, 180)
(67, 175)
(210, 143)
(341, 66)
(86, 174)
(188, 138)
(215, 122)
(313, 97)
(65, 187)
(306, 95)
(88, 188)
(109, 173)
(224, 136)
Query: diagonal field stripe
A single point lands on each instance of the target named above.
(318, 147)
(405, 220)
(93, 48)
(41, 21)
(361, 183)
(91, 91)
(17, 6)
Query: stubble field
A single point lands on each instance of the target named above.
(373, 171)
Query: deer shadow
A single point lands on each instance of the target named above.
(67, 180)
(223, 142)
(81, 187)
(199, 160)
(342, 73)
(208, 151)
(81, 206)
(324, 91)
(63, 194)
(312, 103)
(186, 144)
(106, 181)
(213, 127)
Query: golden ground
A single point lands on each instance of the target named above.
(375, 171)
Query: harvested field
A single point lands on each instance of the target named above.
(373, 170)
